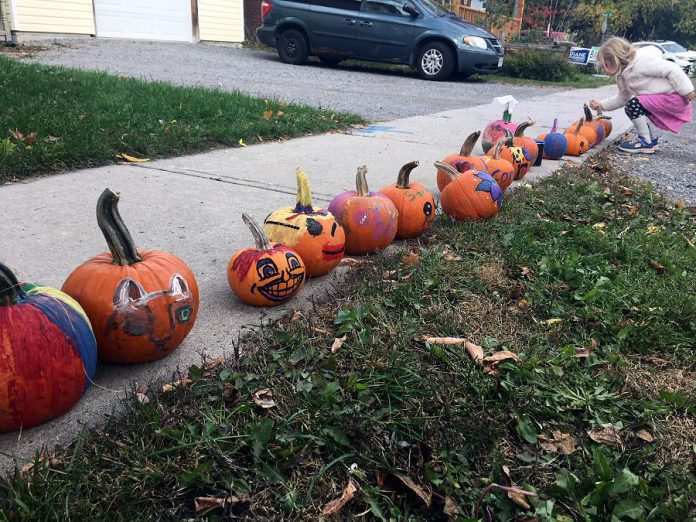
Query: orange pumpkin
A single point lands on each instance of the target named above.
(520, 140)
(592, 129)
(313, 233)
(415, 204)
(141, 303)
(369, 219)
(577, 143)
(463, 161)
(606, 122)
(473, 194)
(498, 167)
(519, 157)
(266, 274)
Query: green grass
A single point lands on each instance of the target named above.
(581, 81)
(574, 263)
(83, 119)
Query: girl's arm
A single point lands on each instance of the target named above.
(615, 102)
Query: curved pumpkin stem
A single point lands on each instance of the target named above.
(447, 169)
(588, 112)
(304, 193)
(260, 237)
(10, 291)
(580, 124)
(519, 132)
(554, 129)
(502, 142)
(602, 117)
(404, 173)
(114, 229)
(361, 181)
(469, 143)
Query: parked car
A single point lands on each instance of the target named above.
(674, 52)
(419, 33)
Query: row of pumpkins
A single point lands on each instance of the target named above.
(130, 306)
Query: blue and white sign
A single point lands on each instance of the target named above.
(583, 55)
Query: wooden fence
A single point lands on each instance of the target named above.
(510, 26)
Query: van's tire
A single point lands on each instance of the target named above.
(435, 61)
(293, 47)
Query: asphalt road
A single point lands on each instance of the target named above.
(377, 95)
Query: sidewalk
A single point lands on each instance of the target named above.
(191, 206)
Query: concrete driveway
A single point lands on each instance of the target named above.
(377, 95)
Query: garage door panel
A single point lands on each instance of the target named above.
(144, 19)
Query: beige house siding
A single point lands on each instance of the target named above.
(221, 20)
(53, 16)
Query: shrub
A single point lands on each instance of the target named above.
(539, 64)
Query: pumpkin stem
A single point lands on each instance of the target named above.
(114, 229)
(404, 173)
(588, 112)
(304, 194)
(469, 143)
(502, 142)
(447, 169)
(10, 290)
(522, 126)
(507, 116)
(580, 124)
(554, 129)
(260, 237)
(361, 181)
(603, 117)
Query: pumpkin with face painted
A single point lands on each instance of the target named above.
(518, 156)
(415, 204)
(313, 232)
(266, 274)
(141, 303)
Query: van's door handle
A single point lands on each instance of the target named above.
(366, 24)
(349, 21)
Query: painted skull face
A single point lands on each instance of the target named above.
(153, 316)
(279, 283)
(522, 158)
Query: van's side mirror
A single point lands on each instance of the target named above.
(408, 8)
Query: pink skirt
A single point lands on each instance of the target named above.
(667, 111)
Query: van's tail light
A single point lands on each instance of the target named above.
(265, 7)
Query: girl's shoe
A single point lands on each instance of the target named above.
(654, 144)
(639, 146)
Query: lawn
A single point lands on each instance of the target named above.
(53, 119)
(579, 290)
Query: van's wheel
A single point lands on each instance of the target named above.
(435, 61)
(293, 47)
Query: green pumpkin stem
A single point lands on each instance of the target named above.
(588, 112)
(507, 116)
(447, 169)
(519, 132)
(115, 231)
(469, 143)
(404, 173)
(361, 182)
(304, 194)
(10, 291)
(260, 237)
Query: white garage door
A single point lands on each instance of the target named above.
(144, 19)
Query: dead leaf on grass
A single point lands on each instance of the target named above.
(393, 481)
(352, 261)
(296, 316)
(231, 395)
(519, 499)
(169, 387)
(500, 356)
(267, 115)
(607, 435)
(585, 351)
(660, 269)
(654, 229)
(338, 343)
(411, 258)
(16, 134)
(627, 191)
(688, 241)
(204, 505)
(337, 504)
(451, 509)
(132, 159)
(51, 139)
(560, 442)
(264, 399)
(387, 274)
(241, 142)
(31, 139)
(322, 331)
(214, 363)
(645, 435)
(554, 320)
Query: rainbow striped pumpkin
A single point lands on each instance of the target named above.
(48, 354)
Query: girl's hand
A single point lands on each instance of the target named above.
(691, 96)
(594, 105)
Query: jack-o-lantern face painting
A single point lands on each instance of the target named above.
(267, 275)
(313, 233)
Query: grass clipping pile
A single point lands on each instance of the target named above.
(485, 374)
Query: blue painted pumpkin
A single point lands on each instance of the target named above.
(555, 143)
(48, 354)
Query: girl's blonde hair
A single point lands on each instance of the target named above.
(619, 49)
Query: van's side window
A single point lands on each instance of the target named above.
(384, 7)
(349, 5)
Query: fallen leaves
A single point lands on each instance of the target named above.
(170, 387)
(411, 258)
(132, 159)
(584, 352)
(338, 343)
(474, 350)
(204, 505)
(645, 436)
(337, 504)
(264, 399)
(560, 442)
(659, 268)
(606, 434)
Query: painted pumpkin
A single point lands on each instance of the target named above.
(414, 203)
(606, 123)
(266, 274)
(141, 303)
(520, 140)
(519, 157)
(48, 353)
(496, 130)
(577, 143)
(555, 143)
(473, 194)
(592, 129)
(369, 219)
(498, 167)
(463, 161)
(313, 233)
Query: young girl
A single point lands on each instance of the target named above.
(650, 89)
